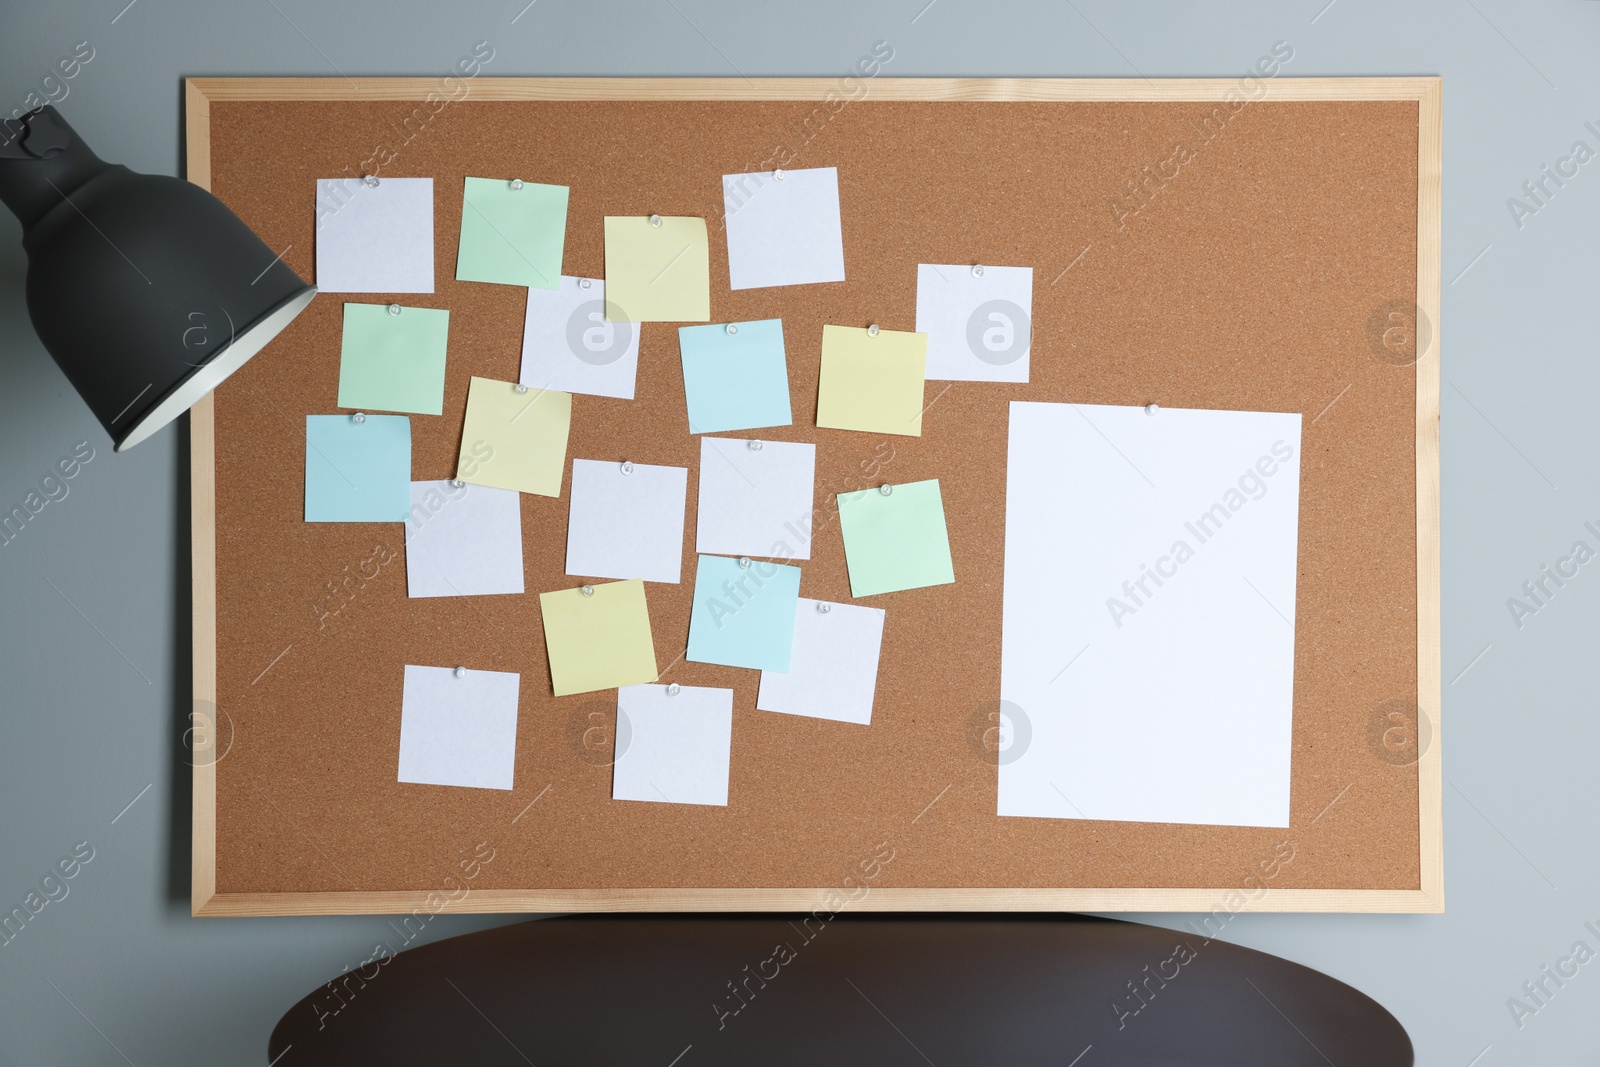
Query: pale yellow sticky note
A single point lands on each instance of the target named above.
(657, 273)
(871, 381)
(515, 440)
(599, 640)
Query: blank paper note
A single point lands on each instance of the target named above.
(833, 670)
(568, 344)
(512, 232)
(458, 730)
(463, 540)
(1147, 649)
(979, 321)
(358, 471)
(658, 269)
(626, 520)
(678, 744)
(392, 358)
(783, 227)
(735, 376)
(598, 637)
(756, 497)
(743, 614)
(375, 238)
(872, 382)
(895, 540)
(514, 440)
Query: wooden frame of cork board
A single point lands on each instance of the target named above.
(1274, 267)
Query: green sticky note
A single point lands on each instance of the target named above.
(872, 382)
(515, 440)
(657, 271)
(392, 358)
(512, 233)
(598, 640)
(896, 541)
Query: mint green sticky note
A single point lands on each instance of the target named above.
(392, 358)
(512, 233)
(896, 541)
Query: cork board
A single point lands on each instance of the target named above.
(1286, 266)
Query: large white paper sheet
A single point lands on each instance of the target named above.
(1147, 655)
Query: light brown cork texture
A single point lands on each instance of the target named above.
(1247, 282)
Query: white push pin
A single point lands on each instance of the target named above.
(458, 483)
(588, 590)
(516, 183)
(977, 270)
(755, 446)
(886, 489)
(655, 220)
(358, 418)
(777, 174)
(732, 328)
(627, 467)
(744, 562)
(1151, 409)
(872, 331)
(674, 689)
(371, 180)
(823, 609)
(519, 388)
(461, 672)
(394, 309)
(584, 283)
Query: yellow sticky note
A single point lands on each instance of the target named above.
(871, 381)
(515, 440)
(657, 273)
(598, 640)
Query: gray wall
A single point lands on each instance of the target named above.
(93, 637)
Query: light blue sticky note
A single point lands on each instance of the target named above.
(358, 471)
(735, 376)
(743, 616)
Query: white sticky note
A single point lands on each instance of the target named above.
(672, 748)
(375, 238)
(979, 325)
(626, 524)
(458, 730)
(833, 668)
(463, 540)
(567, 344)
(783, 231)
(1147, 648)
(755, 501)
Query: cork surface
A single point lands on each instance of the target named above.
(1245, 278)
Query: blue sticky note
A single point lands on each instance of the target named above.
(743, 616)
(358, 471)
(735, 376)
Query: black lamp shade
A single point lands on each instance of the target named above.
(146, 289)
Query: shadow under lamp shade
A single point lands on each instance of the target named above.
(145, 288)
